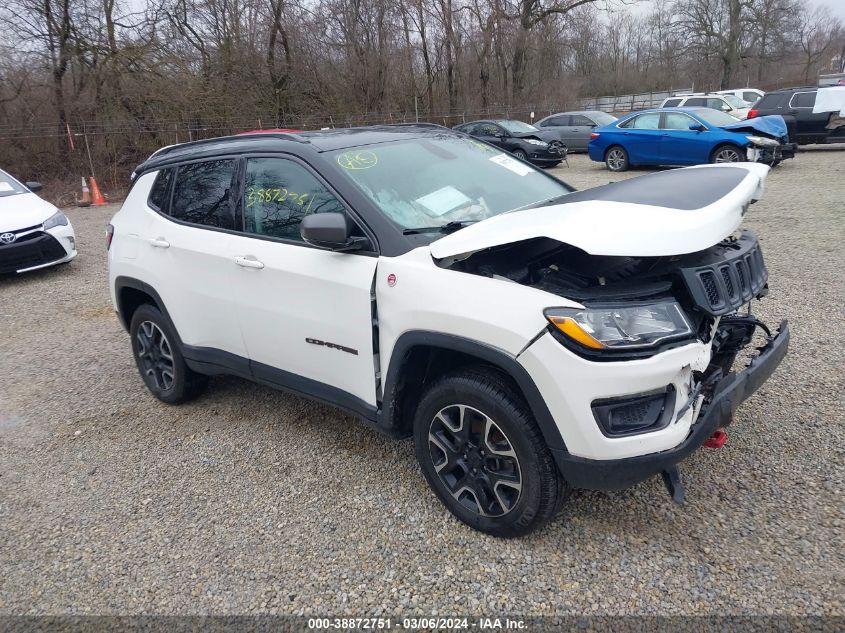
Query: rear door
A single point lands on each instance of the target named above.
(581, 127)
(306, 313)
(560, 125)
(809, 127)
(184, 251)
(641, 138)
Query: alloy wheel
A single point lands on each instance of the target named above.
(616, 159)
(155, 355)
(475, 460)
(727, 155)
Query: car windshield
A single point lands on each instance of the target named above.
(602, 118)
(437, 180)
(735, 101)
(517, 127)
(9, 186)
(714, 117)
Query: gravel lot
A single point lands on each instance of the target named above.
(253, 501)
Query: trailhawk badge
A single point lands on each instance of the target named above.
(8, 238)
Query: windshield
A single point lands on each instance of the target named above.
(432, 181)
(602, 118)
(517, 127)
(9, 186)
(714, 117)
(735, 101)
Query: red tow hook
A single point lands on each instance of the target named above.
(717, 440)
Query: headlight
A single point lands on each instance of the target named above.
(762, 141)
(534, 141)
(621, 327)
(57, 219)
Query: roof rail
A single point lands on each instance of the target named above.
(219, 139)
(420, 124)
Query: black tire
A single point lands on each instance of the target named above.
(616, 158)
(490, 501)
(520, 154)
(153, 339)
(727, 154)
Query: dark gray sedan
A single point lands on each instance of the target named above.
(574, 128)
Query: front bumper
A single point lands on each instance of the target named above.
(35, 248)
(770, 155)
(728, 394)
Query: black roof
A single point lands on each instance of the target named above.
(294, 142)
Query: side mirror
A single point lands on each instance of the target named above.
(331, 231)
(34, 186)
(697, 127)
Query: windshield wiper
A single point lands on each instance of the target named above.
(449, 227)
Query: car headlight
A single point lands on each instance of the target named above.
(762, 141)
(57, 219)
(534, 141)
(622, 327)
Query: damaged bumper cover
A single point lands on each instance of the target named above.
(728, 394)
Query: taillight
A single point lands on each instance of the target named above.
(752, 113)
(594, 135)
(109, 236)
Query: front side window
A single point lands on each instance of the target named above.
(278, 193)
(201, 194)
(430, 181)
(718, 104)
(9, 186)
(676, 121)
(695, 102)
(715, 118)
(803, 100)
(488, 129)
(160, 193)
(517, 127)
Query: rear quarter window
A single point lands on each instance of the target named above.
(770, 102)
(160, 192)
(671, 103)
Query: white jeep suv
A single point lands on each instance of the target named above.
(530, 338)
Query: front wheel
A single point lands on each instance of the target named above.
(484, 456)
(520, 154)
(616, 159)
(726, 154)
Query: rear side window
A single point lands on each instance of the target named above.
(770, 102)
(671, 103)
(160, 193)
(649, 121)
(579, 119)
(803, 100)
(201, 194)
(696, 102)
(278, 193)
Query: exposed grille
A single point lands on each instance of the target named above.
(31, 250)
(735, 274)
(726, 277)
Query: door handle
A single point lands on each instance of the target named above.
(249, 261)
(159, 242)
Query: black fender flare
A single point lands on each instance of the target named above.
(487, 353)
(122, 282)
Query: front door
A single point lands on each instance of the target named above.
(679, 144)
(306, 313)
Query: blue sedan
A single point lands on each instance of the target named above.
(689, 136)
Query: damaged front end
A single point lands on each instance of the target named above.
(768, 139)
(714, 289)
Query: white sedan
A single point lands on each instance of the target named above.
(33, 233)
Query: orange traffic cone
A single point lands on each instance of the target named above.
(86, 196)
(96, 197)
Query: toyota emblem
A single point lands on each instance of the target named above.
(8, 238)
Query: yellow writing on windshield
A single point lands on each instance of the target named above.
(357, 159)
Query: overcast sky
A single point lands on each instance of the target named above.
(837, 7)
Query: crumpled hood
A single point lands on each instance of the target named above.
(543, 135)
(772, 124)
(666, 213)
(22, 211)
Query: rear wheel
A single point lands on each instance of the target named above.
(484, 456)
(616, 159)
(159, 359)
(726, 154)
